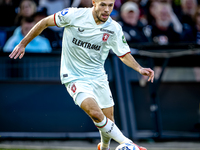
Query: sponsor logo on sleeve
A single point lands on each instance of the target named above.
(124, 39)
(64, 12)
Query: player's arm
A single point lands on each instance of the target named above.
(19, 50)
(129, 60)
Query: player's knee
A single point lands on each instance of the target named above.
(111, 118)
(96, 116)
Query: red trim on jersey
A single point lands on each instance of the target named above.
(123, 55)
(55, 20)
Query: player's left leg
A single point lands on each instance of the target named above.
(106, 126)
(105, 139)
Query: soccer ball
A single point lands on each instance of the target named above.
(127, 146)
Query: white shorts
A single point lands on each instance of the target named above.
(99, 90)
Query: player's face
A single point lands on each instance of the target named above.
(102, 10)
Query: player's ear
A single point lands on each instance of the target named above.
(93, 2)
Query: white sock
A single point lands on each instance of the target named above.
(109, 128)
(105, 140)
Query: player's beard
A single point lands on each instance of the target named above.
(99, 17)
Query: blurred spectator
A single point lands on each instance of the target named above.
(7, 17)
(26, 9)
(38, 44)
(196, 29)
(54, 6)
(142, 15)
(7, 13)
(150, 12)
(48, 33)
(188, 11)
(117, 5)
(188, 34)
(82, 3)
(17, 2)
(134, 30)
(135, 1)
(176, 5)
(37, 2)
(186, 16)
(166, 28)
(40, 14)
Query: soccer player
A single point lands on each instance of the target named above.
(88, 36)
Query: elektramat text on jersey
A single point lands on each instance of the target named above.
(86, 44)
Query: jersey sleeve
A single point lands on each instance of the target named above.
(119, 44)
(64, 18)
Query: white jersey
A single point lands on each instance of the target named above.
(86, 45)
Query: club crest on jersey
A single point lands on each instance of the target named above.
(105, 37)
(73, 88)
(64, 12)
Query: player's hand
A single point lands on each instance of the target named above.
(147, 72)
(18, 51)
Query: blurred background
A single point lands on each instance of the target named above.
(163, 35)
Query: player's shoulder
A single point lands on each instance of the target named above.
(115, 25)
(73, 11)
(80, 11)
